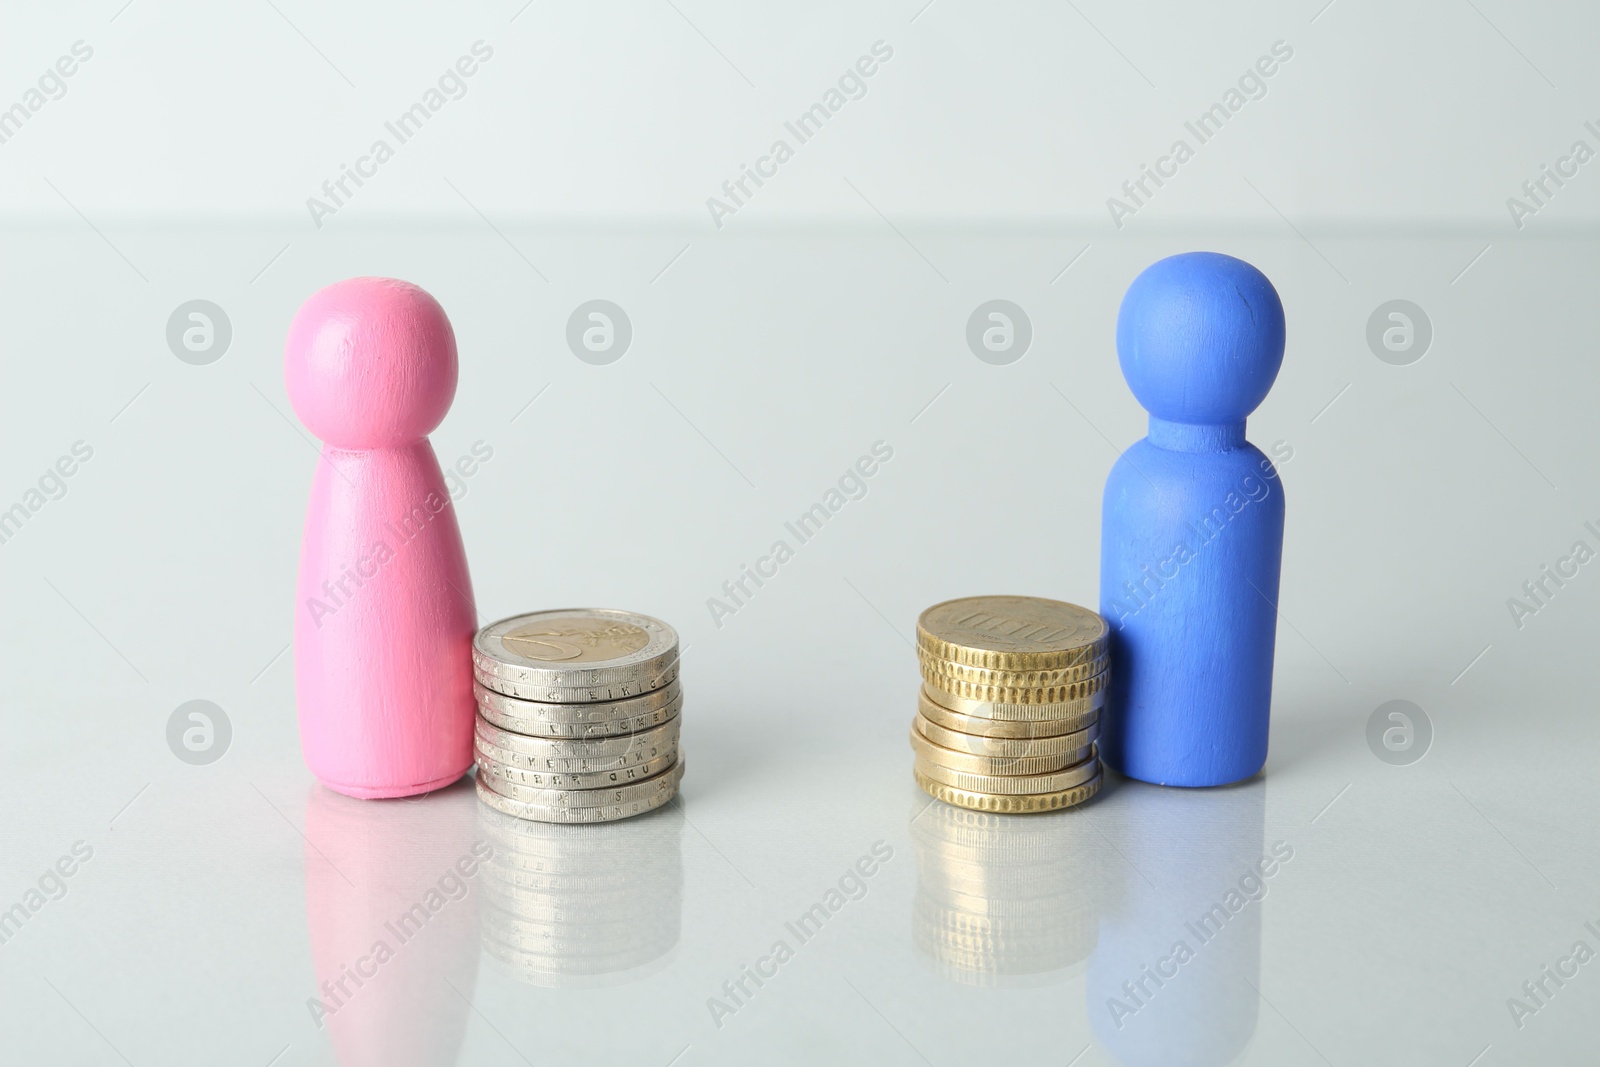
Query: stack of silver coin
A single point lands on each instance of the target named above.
(578, 713)
(560, 911)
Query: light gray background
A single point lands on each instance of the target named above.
(766, 357)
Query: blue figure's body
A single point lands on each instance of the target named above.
(1192, 528)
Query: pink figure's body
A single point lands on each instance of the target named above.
(384, 615)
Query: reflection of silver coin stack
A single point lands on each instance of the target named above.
(578, 714)
(569, 905)
(1002, 899)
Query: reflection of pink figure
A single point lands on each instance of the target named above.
(392, 910)
(384, 616)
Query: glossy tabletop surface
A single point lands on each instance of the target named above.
(1389, 891)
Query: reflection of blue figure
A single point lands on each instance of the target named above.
(1192, 534)
(1172, 982)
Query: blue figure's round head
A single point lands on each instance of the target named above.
(1200, 338)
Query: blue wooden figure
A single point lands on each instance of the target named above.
(1192, 527)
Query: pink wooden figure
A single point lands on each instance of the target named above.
(384, 615)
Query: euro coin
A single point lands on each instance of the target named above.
(978, 726)
(1010, 784)
(573, 807)
(1066, 685)
(988, 709)
(983, 745)
(578, 721)
(1010, 804)
(1012, 633)
(950, 759)
(575, 651)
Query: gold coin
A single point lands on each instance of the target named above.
(992, 947)
(1078, 682)
(932, 911)
(986, 834)
(1067, 940)
(981, 727)
(1010, 804)
(998, 766)
(979, 972)
(1010, 784)
(1012, 633)
(1005, 693)
(964, 853)
(988, 709)
(971, 880)
(983, 901)
(984, 745)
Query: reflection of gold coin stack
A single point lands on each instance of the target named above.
(1009, 711)
(999, 899)
(569, 905)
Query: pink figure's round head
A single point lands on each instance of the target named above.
(370, 363)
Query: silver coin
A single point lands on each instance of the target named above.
(648, 937)
(573, 970)
(561, 930)
(509, 778)
(515, 878)
(582, 866)
(572, 765)
(664, 783)
(546, 749)
(559, 956)
(583, 731)
(598, 914)
(557, 943)
(547, 694)
(575, 650)
(559, 857)
(602, 719)
(625, 802)
(632, 894)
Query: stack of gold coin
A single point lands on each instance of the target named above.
(1009, 711)
(1003, 901)
(578, 713)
